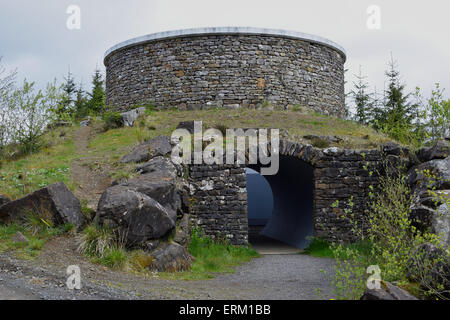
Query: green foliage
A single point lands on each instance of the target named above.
(393, 240)
(38, 231)
(362, 99)
(96, 241)
(97, 96)
(320, 143)
(319, 248)
(397, 115)
(216, 255)
(112, 119)
(436, 125)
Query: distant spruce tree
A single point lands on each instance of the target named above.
(81, 103)
(362, 99)
(97, 98)
(397, 114)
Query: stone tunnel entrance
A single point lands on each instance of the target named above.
(280, 207)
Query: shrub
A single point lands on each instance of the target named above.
(96, 241)
(112, 119)
(393, 240)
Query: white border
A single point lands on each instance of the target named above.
(227, 30)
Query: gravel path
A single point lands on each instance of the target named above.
(272, 277)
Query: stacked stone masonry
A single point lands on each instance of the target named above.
(219, 205)
(229, 70)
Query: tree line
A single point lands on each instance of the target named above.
(407, 117)
(27, 112)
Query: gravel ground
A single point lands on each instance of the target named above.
(272, 277)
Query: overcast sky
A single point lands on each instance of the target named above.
(34, 37)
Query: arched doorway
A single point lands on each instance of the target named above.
(291, 218)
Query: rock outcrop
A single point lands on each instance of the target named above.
(387, 291)
(54, 203)
(159, 146)
(431, 182)
(134, 216)
(150, 211)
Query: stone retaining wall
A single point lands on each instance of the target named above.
(219, 204)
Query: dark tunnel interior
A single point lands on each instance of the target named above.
(280, 207)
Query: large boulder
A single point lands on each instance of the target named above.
(387, 291)
(134, 216)
(440, 169)
(130, 117)
(159, 146)
(4, 199)
(54, 203)
(163, 190)
(171, 257)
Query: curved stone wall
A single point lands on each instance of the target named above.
(227, 67)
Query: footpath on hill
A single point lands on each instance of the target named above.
(90, 180)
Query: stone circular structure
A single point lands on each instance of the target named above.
(227, 67)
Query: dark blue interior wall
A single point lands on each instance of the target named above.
(259, 198)
(292, 189)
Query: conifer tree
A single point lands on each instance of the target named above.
(362, 98)
(97, 96)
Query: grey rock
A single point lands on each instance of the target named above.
(159, 146)
(159, 167)
(130, 117)
(53, 203)
(171, 258)
(163, 189)
(439, 168)
(440, 224)
(188, 125)
(4, 199)
(391, 148)
(440, 150)
(182, 231)
(388, 291)
(86, 123)
(422, 217)
(134, 216)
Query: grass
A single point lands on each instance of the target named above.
(36, 230)
(50, 165)
(210, 257)
(323, 249)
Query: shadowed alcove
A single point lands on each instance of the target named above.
(280, 206)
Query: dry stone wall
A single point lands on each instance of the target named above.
(229, 70)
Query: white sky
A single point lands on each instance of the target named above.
(34, 37)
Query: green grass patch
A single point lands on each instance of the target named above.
(36, 230)
(323, 249)
(32, 172)
(212, 257)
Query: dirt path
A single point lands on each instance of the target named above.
(91, 181)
